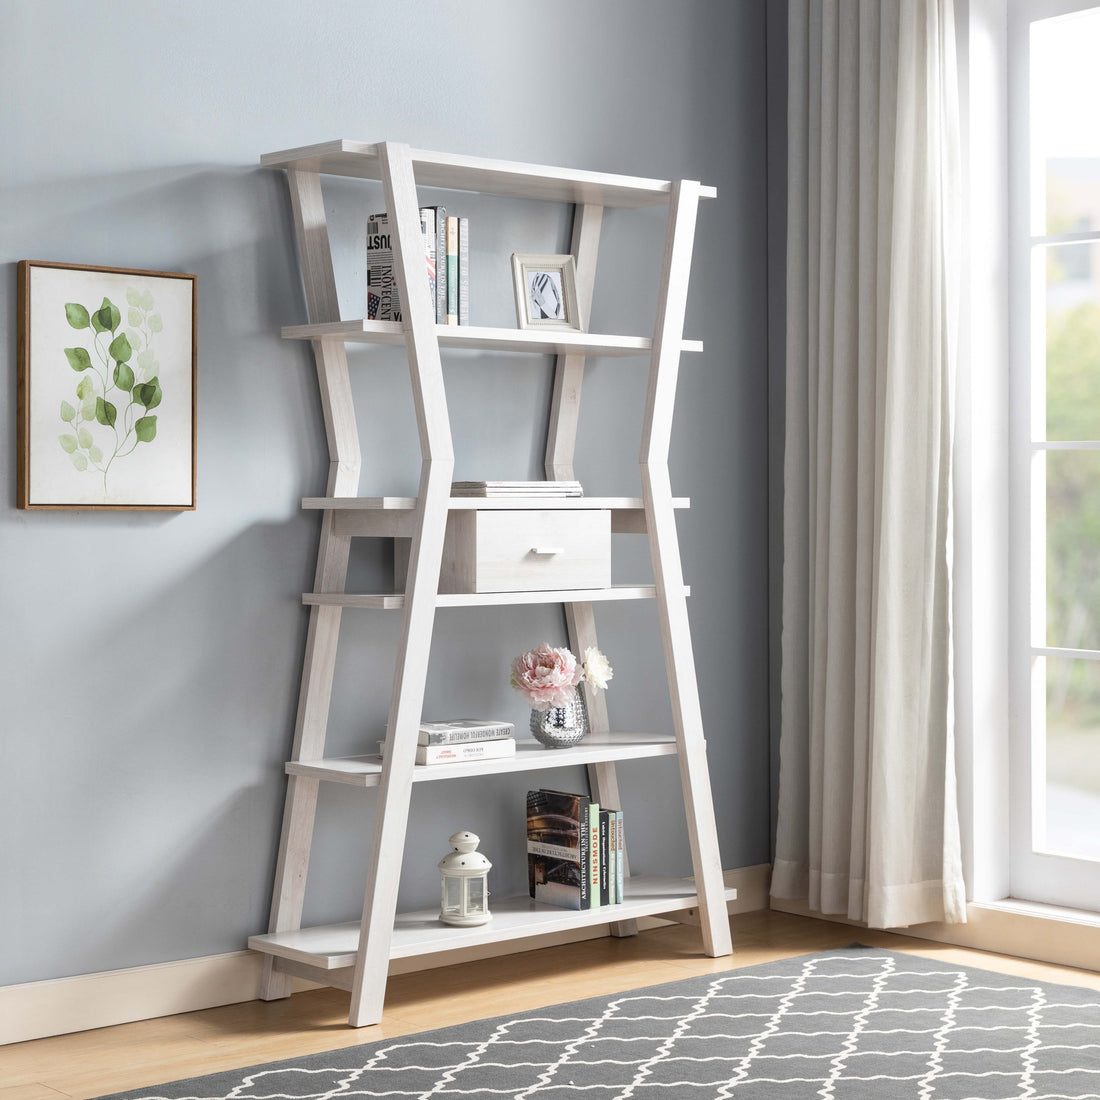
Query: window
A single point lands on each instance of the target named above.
(1055, 257)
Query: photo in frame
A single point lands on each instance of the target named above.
(106, 388)
(546, 291)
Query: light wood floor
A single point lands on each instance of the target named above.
(151, 1052)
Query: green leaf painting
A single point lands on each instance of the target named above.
(149, 394)
(118, 383)
(120, 349)
(124, 377)
(105, 412)
(79, 359)
(77, 315)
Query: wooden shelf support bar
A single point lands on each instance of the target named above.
(410, 675)
(342, 434)
(668, 573)
(561, 440)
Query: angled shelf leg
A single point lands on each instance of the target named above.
(332, 563)
(395, 787)
(561, 442)
(668, 573)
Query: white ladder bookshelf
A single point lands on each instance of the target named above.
(356, 956)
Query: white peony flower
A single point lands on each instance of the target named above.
(597, 668)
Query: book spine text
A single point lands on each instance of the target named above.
(594, 850)
(464, 736)
(605, 881)
(452, 270)
(463, 271)
(620, 851)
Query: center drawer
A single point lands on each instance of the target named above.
(526, 551)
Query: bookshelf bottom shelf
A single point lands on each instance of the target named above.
(334, 946)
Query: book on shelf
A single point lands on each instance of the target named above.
(427, 228)
(558, 848)
(463, 730)
(463, 271)
(440, 257)
(605, 857)
(594, 855)
(612, 860)
(617, 858)
(452, 270)
(429, 755)
(383, 296)
(516, 489)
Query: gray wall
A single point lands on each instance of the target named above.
(149, 662)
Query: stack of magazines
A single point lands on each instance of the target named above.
(516, 489)
(446, 256)
(461, 739)
(574, 850)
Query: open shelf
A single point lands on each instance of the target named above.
(396, 600)
(395, 517)
(539, 504)
(364, 771)
(333, 946)
(540, 341)
(491, 177)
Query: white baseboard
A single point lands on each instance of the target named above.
(62, 1005)
(1023, 930)
(87, 1001)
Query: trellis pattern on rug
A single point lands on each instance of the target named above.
(848, 1024)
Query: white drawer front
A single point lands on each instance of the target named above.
(506, 551)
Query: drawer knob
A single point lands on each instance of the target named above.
(548, 550)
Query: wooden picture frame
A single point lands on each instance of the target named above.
(546, 291)
(106, 388)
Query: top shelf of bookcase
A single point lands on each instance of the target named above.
(491, 177)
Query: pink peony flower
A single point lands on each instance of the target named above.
(546, 676)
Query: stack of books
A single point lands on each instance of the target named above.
(574, 850)
(460, 739)
(446, 255)
(516, 489)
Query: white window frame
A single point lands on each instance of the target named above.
(982, 523)
(1038, 875)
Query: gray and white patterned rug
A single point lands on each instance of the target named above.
(855, 1024)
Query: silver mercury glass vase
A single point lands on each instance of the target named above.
(560, 727)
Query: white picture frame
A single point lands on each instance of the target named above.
(546, 291)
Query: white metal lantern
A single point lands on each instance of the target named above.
(465, 886)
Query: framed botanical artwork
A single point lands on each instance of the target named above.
(106, 388)
(546, 291)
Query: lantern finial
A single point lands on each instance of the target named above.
(465, 841)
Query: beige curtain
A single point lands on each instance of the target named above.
(868, 823)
